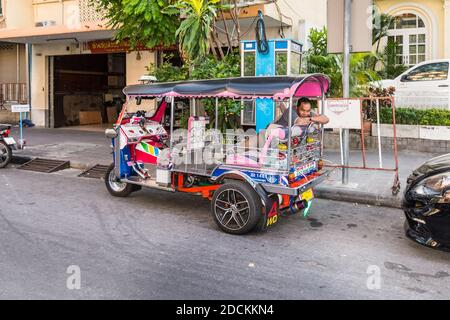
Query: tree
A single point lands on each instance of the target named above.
(196, 31)
(382, 23)
(319, 61)
(141, 22)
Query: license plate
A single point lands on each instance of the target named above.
(10, 141)
(308, 195)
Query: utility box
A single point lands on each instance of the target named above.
(283, 58)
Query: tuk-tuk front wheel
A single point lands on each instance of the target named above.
(236, 208)
(5, 154)
(116, 187)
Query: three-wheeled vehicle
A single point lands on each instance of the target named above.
(251, 177)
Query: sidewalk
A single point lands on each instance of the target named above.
(85, 148)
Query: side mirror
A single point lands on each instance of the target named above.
(404, 78)
(111, 133)
(139, 101)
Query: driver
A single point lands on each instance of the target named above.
(302, 115)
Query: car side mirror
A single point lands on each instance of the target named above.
(404, 78)
(139, 101)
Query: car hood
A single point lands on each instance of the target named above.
(439, 163)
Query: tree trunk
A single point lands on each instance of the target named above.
(217, 43)
(230, 44)
(236, 17)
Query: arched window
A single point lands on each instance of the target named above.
(410, 33)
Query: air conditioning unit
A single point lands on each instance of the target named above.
(46, 23)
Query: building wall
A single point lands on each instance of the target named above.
(40, 73)
(12, 70)
(19, 14)
(136, 68)
(433, 13)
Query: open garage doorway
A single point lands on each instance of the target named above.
(85, 89)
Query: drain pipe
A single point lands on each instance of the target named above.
(29, 56)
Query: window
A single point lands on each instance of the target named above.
(408, 31)
(249, 64)
(1, 8)
(296, 63)
(429, 72)
(281, 63)
(248, 113)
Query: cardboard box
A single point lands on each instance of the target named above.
(90, 117)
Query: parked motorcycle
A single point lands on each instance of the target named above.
(7, 144)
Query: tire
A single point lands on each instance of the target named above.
(117, 188)
(5, 154)
(236, 208)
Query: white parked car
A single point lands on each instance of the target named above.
(424, 86)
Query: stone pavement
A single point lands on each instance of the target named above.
(85, 147)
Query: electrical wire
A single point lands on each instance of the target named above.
(261, 37)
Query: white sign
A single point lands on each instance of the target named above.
(343, 114)
(17, 108)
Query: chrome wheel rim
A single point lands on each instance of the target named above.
(116, 184)
(232, 209)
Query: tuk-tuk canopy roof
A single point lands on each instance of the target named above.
(312, 85)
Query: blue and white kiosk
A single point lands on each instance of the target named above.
(282, 57)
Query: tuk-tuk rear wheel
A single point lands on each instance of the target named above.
(236, 208)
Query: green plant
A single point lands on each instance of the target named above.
(140, 22)
(410, 116)
(195, 32)
(318, 61)
(208, 68)
(167, 72)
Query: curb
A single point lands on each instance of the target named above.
(360, 197)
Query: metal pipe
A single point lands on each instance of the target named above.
(18, 66)
(172, 111)
(217, 113)
(346, 85)
(380, 156)
(322, 133)
(363, 142)
(291, 101)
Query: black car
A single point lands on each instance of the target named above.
(427, 204)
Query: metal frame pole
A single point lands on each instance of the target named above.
(380, 155)
(346, 86)
(172, 111)
(217, 113)
(291, 101)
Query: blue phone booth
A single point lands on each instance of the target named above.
(282, 58)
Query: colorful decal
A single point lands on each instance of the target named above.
(147, 153)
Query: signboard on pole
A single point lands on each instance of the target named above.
(18, 108)
(343, 114)
(361, 26)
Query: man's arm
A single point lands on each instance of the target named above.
(321, 119)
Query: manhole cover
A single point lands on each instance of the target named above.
(45, 165)
(96, 172)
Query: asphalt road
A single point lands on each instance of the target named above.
(157, 245)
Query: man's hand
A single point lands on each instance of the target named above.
(302, 121)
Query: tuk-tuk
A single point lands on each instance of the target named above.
(251, 177)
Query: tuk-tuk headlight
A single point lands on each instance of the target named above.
(433, 186)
